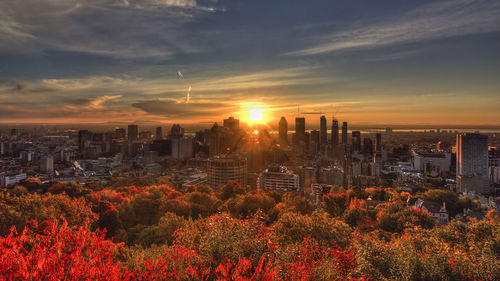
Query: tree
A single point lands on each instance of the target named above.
(335, 203)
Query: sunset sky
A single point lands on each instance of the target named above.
(387, 62)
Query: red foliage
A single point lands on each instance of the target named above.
(58, 252)
(56, 188)
(312, 254)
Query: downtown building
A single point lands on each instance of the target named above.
(472, 163)
(224, 168)
(278, 178)
(433, 163)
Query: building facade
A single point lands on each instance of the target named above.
(278, 178)
(222, 169)
(472, 163)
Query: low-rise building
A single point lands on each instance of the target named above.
(278, 178)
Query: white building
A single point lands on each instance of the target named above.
(438, 211)
(6, 179)
(278, 178)
(434, 163)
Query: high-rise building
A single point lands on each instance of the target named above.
(314, 141)
(159, 133)
(182, 147)
(307, 176)
(494, 165)
(378, 142)
(133, 132)
(335, 132)
(278, 178)
(83, 138)
(283, 131)
(300, 129)
(120, 133)
(344, 133)
(13, 132)
(222, 169)
(232, 124)
(215, 140)
(176, 131)
(367, 146)
(472, 163)
(323, 131)
(356, 141)
(47, 163)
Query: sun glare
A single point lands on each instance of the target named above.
(256, 115)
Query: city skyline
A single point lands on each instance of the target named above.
(390, 62)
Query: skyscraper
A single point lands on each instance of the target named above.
(133, 132)
(344, 133)
(232, 124)
(378, 142)
(314, 141)
(356, 141)
(323, 131)
(83, 137)
(335, 132)
(159, 133)
(367, 146)
(283, 131)
(120, 133)
(176, 131)
(300, 129)
(472, 163)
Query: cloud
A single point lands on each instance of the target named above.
(120, 29)
(179, 110)
(436, 20)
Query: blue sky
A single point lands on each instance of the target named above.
(369, 62)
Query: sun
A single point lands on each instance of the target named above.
(253, 113)
(256, 115)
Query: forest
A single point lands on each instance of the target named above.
(130, 230)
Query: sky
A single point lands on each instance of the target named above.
(189, 61)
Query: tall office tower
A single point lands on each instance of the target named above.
(283, 131)
(344, 133)
(232, 124)
(83, 138)
(322, 130)
(159, 133)
(356, 141)
(300, 129)
(13, 132)
(378, 142)
(133, 132)
(215, 141)
(472, 163)
(120, 133)
(222, 169)
(335, 132)
(314, 141)
(176, 131)
(367, 146)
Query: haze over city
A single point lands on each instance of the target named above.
(369, 62)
